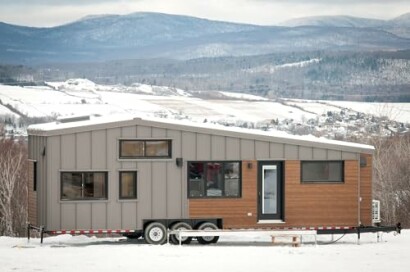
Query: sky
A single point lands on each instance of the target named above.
(46, 13)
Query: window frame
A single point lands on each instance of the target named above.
(120, 197)
(83, 186)
(144, 156)
(328, 181)
(35, 176)
(205, 181)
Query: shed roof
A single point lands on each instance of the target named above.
(99, 123)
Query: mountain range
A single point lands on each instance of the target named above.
(154, 35)
(349, 21)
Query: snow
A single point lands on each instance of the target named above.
(6, 111)
(243, 96)
(270, 68)
(81, 253)
(394, 111)
(84, 97)
(95, 120)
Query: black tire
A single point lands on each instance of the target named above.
(174, 238)
(204, 240)
(155, 233)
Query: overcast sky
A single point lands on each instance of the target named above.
(263, 12)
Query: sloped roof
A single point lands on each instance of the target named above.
(84, 124)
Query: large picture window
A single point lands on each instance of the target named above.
(83, 185)
(214, 179)
(322, 171)
(139, 149)
(128, 185)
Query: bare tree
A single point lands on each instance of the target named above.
(392, 177)
(13, 187)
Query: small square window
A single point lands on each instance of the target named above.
(128, 185)
(132, 149)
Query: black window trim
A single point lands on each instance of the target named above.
(216, 197)
(169, 156)
(84, 199)
(35, 176)
(120, 184)
(323, 181)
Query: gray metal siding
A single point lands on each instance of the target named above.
(233, 148)
(159, 189)
(83, 215)
(218, 144)
(99, 149)
(203, 147)
(319, 154)
(176, 189)
(113, 212)
(68, 149)
(350, 156)
(305, 153)
(334, 155)
(144, 191)
(277, 150)
(262, 150)
(53, 178)
(291, 152)
(83, 151)
(247, 149)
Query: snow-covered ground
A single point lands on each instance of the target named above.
(80, 96)
(326, 118)
(81, 253)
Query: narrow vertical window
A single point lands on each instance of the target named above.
(34, 176)
(128, 185)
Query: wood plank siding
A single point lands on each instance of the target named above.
(366, 176)
(234, 211)
(305, 205)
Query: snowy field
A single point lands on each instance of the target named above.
(81, 253)
(83, 97)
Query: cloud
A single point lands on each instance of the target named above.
(52, 2)
(333, 2)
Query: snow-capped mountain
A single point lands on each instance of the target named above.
(156, 35)
(348, 21)
(334, 21)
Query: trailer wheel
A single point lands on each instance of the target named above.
(155, 233)
(204, 240)
(175, 237)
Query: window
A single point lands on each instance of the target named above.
(322, 171)
(214, 179)
(135, 149)
(128, 185)
(34, 176)
(83, 185)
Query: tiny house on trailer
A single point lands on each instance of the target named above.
(144, 176)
